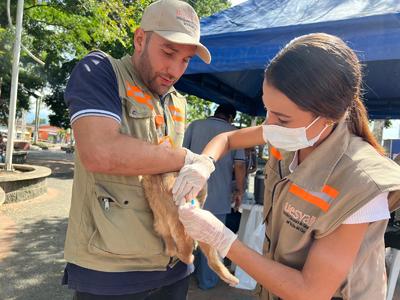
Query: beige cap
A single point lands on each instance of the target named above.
(177, 22)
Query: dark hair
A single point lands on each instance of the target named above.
(321, 74)
(227, 110)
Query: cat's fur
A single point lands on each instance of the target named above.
(158, 192)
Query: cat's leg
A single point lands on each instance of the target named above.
(216, 265)
(162, 228)
(184, 243)
(170, 246)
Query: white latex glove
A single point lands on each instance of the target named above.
(203, 226)
(192, 177)
(189, 157)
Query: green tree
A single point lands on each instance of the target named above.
(30, 76)
(65, 31)
(199, 108)
(60, 33)
(244, 120)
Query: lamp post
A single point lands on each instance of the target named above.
(14, 87)
(37, 119)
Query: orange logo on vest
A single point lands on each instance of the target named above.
(138, 95)
(306, 196)
(176, 113)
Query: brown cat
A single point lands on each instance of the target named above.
(158, 192)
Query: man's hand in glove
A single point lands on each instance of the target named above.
(192, 177)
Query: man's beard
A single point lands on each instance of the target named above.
(149, 77)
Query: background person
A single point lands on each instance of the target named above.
(219, 188)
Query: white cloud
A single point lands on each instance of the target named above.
(236, 2)
(392, 132)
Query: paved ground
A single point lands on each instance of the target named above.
(32, 237)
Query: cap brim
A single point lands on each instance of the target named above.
(185, 39)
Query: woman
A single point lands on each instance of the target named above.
(327, 181)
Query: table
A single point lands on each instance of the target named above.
(256, 218)
(251, 219)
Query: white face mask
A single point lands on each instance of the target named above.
(290, 139)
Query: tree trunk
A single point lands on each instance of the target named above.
(378, 130)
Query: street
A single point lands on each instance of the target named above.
(33, 266)
(32, 237)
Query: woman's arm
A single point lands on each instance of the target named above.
(327, 264)
(192, 177)
(237, 139)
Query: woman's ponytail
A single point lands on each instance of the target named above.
(358, 124)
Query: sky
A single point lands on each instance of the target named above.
(393, 132)
(44, 111)
(236, 2)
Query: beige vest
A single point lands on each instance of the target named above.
(110, 225)
(331, 184)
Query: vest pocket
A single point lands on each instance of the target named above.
(138, 111)
(123, 223)
(140, 121)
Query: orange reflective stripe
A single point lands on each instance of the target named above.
(159, 120)
(330, 191)
(176, 113)
(177, 118)
(302, 194)
(174, 108)
(138, 95)
(166, 139)
(276, 153)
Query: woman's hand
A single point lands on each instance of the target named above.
(203, 226)
(192, 178)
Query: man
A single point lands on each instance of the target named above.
(120, 109)
(219, 197)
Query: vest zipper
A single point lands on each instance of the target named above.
(272, 202)
(106, 202)
(280, 169)
(171, 262)
(162, 99)
(269, 212)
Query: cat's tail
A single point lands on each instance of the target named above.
(216, 264)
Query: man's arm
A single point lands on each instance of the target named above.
(103, 149)
(240, 175)
(253, 161)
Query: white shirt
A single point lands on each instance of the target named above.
(375, 210)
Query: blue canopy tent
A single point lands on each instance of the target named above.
(244, 38)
